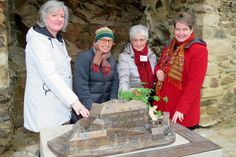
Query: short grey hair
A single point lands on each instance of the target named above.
(138, 29)
(50, 7)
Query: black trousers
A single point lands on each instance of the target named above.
(194, 127)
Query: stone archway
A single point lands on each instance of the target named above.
(85, 17)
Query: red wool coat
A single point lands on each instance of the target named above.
(186, 100)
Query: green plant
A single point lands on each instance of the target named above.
(144, 95)
(141, 94)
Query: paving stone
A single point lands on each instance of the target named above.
(224, 137)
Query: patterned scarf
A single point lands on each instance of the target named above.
(101, 58)
(173, 61)
(144, 68)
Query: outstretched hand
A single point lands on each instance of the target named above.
(178, 115)
(80, 109)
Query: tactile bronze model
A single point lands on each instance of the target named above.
(114, 127)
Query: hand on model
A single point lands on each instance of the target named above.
(80, 109)
(178, 115)
(160, 75)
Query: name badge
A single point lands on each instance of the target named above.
(143, 58)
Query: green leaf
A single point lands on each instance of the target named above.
(157, 98)
(158, 114)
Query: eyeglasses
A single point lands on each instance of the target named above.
(104, 41)
(138, 40)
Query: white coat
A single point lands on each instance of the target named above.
(128, 71)
(48, 91)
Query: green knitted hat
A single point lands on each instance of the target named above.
(103, 32)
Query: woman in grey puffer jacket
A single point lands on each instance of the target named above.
(136, 60)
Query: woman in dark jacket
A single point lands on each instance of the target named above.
(96, 77)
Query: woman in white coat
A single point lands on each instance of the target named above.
(48, 92)
(136, 62)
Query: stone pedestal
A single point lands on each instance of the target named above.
(187, 143)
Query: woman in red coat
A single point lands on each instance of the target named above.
(180, 73)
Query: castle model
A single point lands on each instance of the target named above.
(114, 127)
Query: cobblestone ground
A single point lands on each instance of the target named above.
(27, 144)
(223, 135)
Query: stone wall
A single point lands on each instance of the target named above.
(219, 93)
(6, 127)
(215, 24)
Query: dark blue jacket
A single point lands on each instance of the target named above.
(93, 86)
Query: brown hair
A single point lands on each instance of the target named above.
(186, 17)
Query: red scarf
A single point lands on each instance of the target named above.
(173, 61)
(144, 68)
(101, 58)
